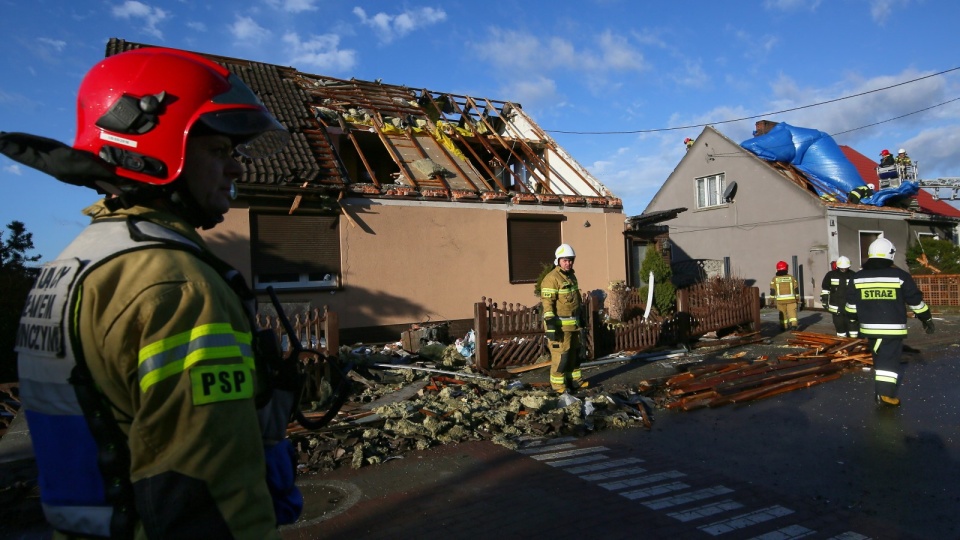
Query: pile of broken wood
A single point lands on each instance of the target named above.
(825, 358)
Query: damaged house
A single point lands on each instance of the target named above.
(747, 213)
(395, 205)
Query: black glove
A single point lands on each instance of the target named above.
(552, 331)
(825, 299)
(928, 326)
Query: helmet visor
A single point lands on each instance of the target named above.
(256, 133)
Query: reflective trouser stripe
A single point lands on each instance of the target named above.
(886, 376)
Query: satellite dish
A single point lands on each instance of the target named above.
(730, 192)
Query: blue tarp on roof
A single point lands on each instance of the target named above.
(814, 153)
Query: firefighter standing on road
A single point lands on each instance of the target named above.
(833, 296)
(786, 293)
(143, 405)
(562, 321)
(880, 294)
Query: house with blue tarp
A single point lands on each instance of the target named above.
(788, 194)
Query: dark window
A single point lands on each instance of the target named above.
(531, 243)
(295, 251)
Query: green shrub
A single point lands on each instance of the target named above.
(664, 293)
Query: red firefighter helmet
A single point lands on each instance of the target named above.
(781, 266)
(885, 152)
(135, 110)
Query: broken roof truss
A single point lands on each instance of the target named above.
(438, 145)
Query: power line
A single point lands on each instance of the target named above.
(743, 154)
(764, 114)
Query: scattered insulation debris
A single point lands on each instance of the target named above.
(424, 407)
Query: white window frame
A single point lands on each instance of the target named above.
(708, 191)
(302, 281)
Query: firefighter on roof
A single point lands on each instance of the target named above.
(785, 291)
(562, 321)
(879, 298)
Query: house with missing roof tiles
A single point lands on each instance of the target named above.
(746, 213)
(395, 205)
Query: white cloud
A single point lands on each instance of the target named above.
(13, 168)
(56, 44)
(521, 52)
(390, 27)
(321, 52)
(197, 26)
(536, 89)
(293, 6)
(150, 16)
(245, 29)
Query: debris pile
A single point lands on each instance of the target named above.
(825, 358)
(425, 407)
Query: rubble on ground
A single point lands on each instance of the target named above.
(411, 402)
(450, 407)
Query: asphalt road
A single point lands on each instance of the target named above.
(832, 445)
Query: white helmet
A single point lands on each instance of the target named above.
(901, 151)
(881, 248)
(563, 251)
(843, 262)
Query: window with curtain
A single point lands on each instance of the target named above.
(710, 191)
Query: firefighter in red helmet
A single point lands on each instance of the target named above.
(785, 292)
(151, 415)
(886, 158)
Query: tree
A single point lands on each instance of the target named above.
(940, 254)
(664, 293)
(16, 278)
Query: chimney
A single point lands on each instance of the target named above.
(763, 127)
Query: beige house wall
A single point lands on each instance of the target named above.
(404, 262)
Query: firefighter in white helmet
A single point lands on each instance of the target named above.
(562, 320)
(879, 297)
(833, 296)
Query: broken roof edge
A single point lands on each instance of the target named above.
(310, 167)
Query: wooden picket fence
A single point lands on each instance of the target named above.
(316, 329)
(508, 336)
(514, 335)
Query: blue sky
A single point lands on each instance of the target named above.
(589, 66)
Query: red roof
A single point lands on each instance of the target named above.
(928, 204)
(864, 165)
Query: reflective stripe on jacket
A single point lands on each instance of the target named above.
(560, 298)
(834, 288)
(879, 299)
(784, 288)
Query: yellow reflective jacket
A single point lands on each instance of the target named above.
(163, 335)
(560, 298)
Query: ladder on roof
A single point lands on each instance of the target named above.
(950, 183)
